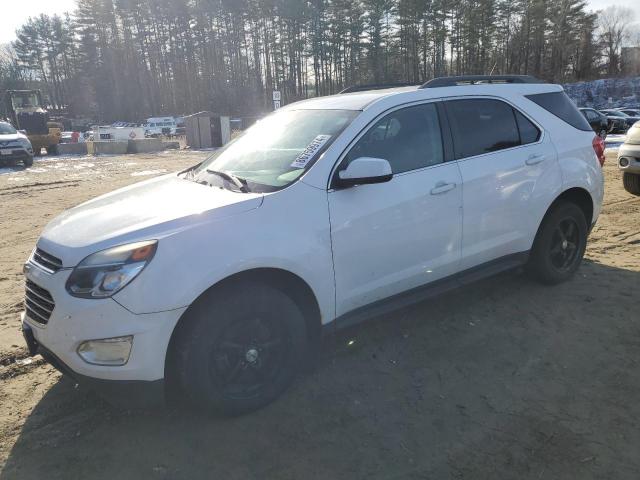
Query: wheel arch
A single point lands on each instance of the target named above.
(576, 195)
(284, 280)
(579, 196)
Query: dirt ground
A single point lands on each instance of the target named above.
(506, 379)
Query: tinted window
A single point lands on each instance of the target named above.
(559, 104)
(481, 126)
(408, 139)
(592, 115)
(529, 133)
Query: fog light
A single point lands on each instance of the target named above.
(624, 162)
(108, 351)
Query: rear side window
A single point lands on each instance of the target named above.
(529, 133)
(559, 104)
(482, 126)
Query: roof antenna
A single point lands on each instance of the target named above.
(494, 67)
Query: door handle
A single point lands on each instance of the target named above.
(442, 187)
(535, 158)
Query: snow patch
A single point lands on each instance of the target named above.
(145, 173)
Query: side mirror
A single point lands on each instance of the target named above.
(364, 171)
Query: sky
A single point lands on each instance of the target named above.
(16, 12)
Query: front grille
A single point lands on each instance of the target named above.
(48, 262)
(38, 303)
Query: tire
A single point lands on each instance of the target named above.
(52, 150)
(631, 182)
(239, 348)
(559, 244)
(603, 133)
(28, 161)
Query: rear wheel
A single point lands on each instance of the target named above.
(240, 348)
(52, 150)
(631, 182)
(559, 245)
(603, 133)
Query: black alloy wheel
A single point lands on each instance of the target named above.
(248, 356)
(238, 347)
(565, 244)
(559, 244)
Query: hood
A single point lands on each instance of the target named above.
(633, 135)
(147, 210)
(11, 137)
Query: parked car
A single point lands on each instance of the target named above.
(66, 137)
(629, 160)
(219, 280)
(632, 112)
(14, 145)
(597, 120)
(619, 122)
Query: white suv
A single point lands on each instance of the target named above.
(219, 280)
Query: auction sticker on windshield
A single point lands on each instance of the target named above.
(309, 152)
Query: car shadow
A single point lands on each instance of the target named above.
(504, 378)
(11, 167)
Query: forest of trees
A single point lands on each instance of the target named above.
(130, 59)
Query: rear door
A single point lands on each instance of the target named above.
(510, 176)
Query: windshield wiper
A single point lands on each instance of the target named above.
(230, 177)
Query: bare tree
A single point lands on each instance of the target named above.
(614, 25)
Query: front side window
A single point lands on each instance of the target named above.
(278, 149)
(481, 126)
(408, 139)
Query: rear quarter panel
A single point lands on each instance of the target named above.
(578, 162)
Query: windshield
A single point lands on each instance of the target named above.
(6, 129)
(24, 100)
(277, 150)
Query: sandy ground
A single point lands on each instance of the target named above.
(506, 379)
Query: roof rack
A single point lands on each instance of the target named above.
(478, 79)
(376, 86)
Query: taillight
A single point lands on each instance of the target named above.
(598, 147)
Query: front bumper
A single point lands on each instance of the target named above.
(8, 154)
(121, 393)
(632, 155)
(74, 320)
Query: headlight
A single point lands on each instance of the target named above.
(104, 273)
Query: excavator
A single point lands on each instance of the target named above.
(28, 114)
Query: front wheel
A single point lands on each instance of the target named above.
(631, 182)
(559, 245)
(240, 347)
(603, 133)
(28, 161)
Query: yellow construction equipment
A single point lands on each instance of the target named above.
(28, 114)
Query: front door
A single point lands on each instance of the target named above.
(390, 237)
